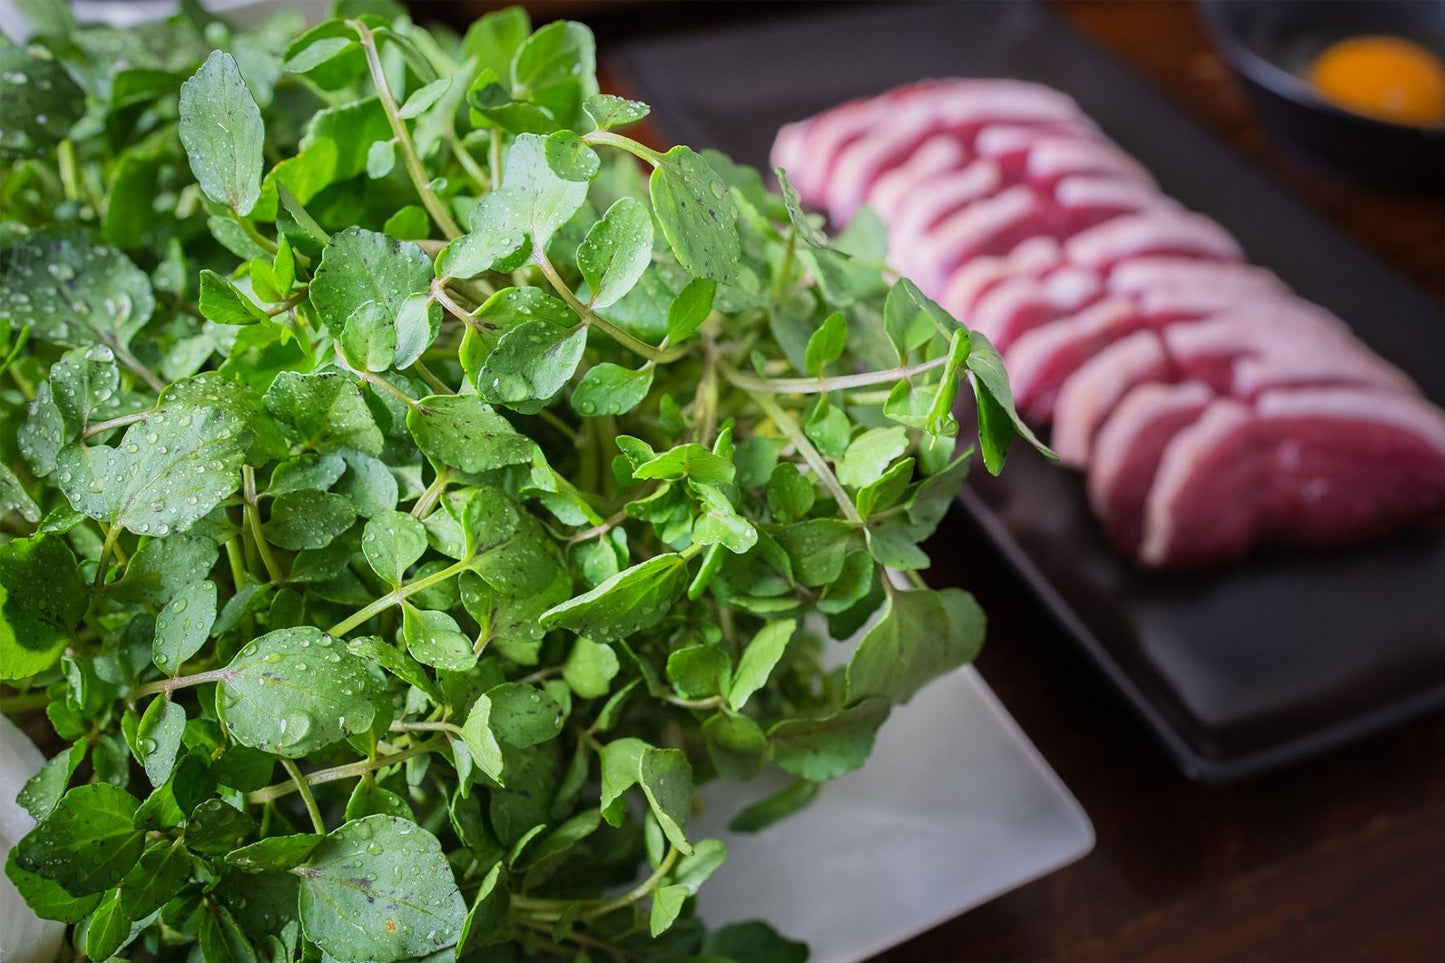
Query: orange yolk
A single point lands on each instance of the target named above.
(1388, 78)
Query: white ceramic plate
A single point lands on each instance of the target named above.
(954, 807)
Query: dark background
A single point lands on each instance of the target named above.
(1338, 859)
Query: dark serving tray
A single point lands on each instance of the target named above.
(1237, 670)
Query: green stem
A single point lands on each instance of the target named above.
(815, 461)
(468, 162)
(105, 549)
(813, 386)
(294, 771)
(623, 143)
(414, 168)
(456, 310)
(780, 285)
(286, 305)
(253, 521)
(180, 682)
(120, 422)
(429, 497)
(397, 595)
(400, 726)
(133, 363)
(437, 385)
(494, 158)
(265, 243)
(349, 771)
(591, 318)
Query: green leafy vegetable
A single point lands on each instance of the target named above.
(415, 488)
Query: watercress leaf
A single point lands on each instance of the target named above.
(87, 843)
(481, 742)
(610, 389)
(690, 461)
(754, 941)
(666, 904)
(607, 111)
(435, 639)
(163, 869)
(870, 454)
(215, 826)
(884, 493)
(43, 790)
(628, 602)
(168, 471)
(828, 428)
(360, 266)
(556, 68)
(934, 496)
(41, 103)
(107, 928)
(221, 129)
(370, 799)
(706, 858)
(463, 432)
(411, 223)
(497, 234)
(546, 201)
(308, 519)
(806, 226)
(816, 548)
(42, 600)
(222, 303)
(293, 691)
(590, 668)
(998, 420)
(323, 411)
(274, 853)
(523, 715)
(570, 158)
(690, 309)
(892, 543)
(826, 344)
(380, 159)
(530, 364)
(70, 290)
(488, 920)
(825, 748)
(922, 634)
(423, 98)
(493, 40)
(616, 251)
(911, 320)
(666, 780)
(392, 542)
(380, 868)
(699, 671)
(158, 738)
(758, 659)
(791, 494)
(697, 214)
(162, 567)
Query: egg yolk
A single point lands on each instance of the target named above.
(1388, 78)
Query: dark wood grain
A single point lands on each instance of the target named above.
(1338, 859)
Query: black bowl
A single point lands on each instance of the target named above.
(1270, 43)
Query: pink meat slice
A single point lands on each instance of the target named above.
(1084, 201)
(968, 285)
(1315, 468)
(1086, 398)
(938, 155)
(933, 199)
(1128, 449)
(1153, 233)
(811, 149)
(1140, 275)
(1017, 305)
(993, 225)
(1043, 357)
(1238, 353)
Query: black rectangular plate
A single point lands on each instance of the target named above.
(1238, 670)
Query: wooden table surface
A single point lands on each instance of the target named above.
(1337, 859)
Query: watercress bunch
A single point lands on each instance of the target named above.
(415, 487)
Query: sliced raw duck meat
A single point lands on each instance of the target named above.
(1318, 468)
(932, 201)
(1086, 399)
(989, 226)
(938, 155)
(974, 280)
(1212, 408)
(1018, 304)
(1128, 449)
(1152, 233)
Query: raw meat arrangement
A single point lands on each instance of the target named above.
(1211, 409)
